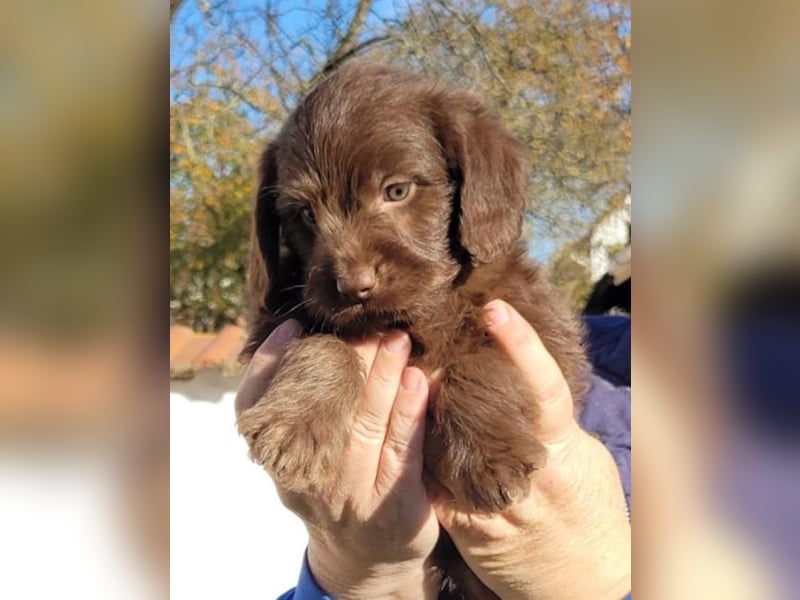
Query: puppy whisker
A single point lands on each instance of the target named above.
(280, 313)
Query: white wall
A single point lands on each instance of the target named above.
(230, 537)
(611, 231)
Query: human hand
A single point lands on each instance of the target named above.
(570, 538)
(370, 537)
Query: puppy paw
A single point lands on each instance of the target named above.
(480, 442)
(296, 454)
(494, 482)
(298, 429)
(489, 482)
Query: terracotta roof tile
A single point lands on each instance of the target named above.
(190, 351)
(179, 336)
(223, 349)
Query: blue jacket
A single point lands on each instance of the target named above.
(607, 413)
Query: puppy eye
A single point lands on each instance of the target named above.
(396, 192)
(308, 216)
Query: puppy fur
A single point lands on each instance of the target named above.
(331, 211)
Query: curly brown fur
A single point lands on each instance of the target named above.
(298, 429)
(334, 249)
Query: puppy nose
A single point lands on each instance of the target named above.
(357, 284)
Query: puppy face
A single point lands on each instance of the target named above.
(380, 189)
(364, 198)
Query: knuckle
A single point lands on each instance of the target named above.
(553, 388)
(400, 446)
(398, 449)
(408, 412)
(369, 428)
(523, 338)
(263, 362)
(384, 377)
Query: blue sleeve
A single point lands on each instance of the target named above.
(609, 347)
(607, 405)
(307, 588)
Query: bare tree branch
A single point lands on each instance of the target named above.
(225, 87)
(479, 45)
(174, 5)
(331, 66)
(347, 46)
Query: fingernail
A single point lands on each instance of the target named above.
(396, 342)
(283, 334)
(410, 379)
(495, 313)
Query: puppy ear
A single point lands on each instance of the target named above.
(490, 173)
(264, 259)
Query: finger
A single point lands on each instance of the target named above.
(371, 419)
(524, 347)
(401, 458)
(367, 350)
(263, 363)
(372, 416)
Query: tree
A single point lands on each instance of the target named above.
(210, 191)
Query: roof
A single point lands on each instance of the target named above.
(190, 351)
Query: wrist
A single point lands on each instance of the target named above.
(346, 576)
(621, 588)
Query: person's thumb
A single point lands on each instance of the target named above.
(518, 340)
(263, 364)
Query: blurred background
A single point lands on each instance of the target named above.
(716, 340)
(84, 463)
(85, 435)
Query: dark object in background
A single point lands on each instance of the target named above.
(607, 297)
(760, 340)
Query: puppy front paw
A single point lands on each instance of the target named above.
(494, 482)
(298, 429)
(296, 453)
(487, 479)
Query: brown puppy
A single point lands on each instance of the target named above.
(387, 201)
